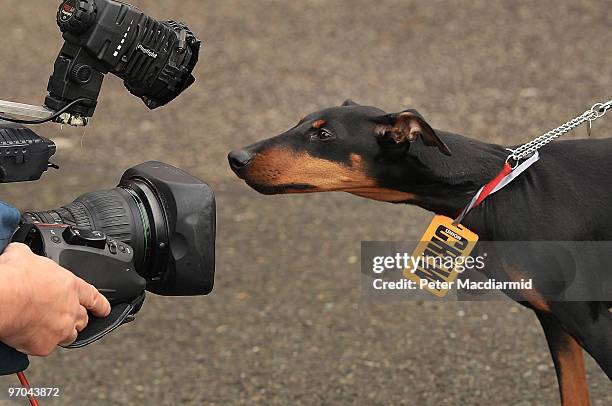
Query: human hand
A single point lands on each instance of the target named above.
(43, 305)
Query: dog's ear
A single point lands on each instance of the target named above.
(407, 126)
(349, 102)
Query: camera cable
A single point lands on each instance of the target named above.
(44, 120)
(26, 385)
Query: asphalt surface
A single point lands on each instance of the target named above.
(286, 324)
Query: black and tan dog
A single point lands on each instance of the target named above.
(399, 158)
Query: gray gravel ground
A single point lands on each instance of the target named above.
(286, 324)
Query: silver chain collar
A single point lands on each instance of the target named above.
(526, 150)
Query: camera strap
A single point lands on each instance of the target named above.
(98, 328)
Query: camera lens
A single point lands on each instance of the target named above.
(129, 213)
(166, 215)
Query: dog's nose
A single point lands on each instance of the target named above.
(239, 159)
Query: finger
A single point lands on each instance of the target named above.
(82, 320)
(92, 300)
(71, 338)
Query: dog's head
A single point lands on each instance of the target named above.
(352, 148)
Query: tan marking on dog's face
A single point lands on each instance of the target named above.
(279, 167)
(283, 167)
(378, 193)
(318, 124)
(356, 159)
(382, 194)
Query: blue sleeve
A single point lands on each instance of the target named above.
(9, 220)
(11, 361)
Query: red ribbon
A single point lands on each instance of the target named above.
(486, 191)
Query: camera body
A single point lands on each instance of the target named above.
(154, 58)
(91, 255)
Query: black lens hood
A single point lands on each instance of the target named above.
(189, 207)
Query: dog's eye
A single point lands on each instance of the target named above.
(322, 135)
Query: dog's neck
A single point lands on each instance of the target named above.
(445, 185)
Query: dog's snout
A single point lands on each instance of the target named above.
(239, 159)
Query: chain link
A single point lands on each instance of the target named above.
(526, 150)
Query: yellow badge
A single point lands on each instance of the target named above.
(443, 248)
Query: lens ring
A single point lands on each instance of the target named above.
(158, 247)
(144, 220)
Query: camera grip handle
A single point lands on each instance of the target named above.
(98, 328)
